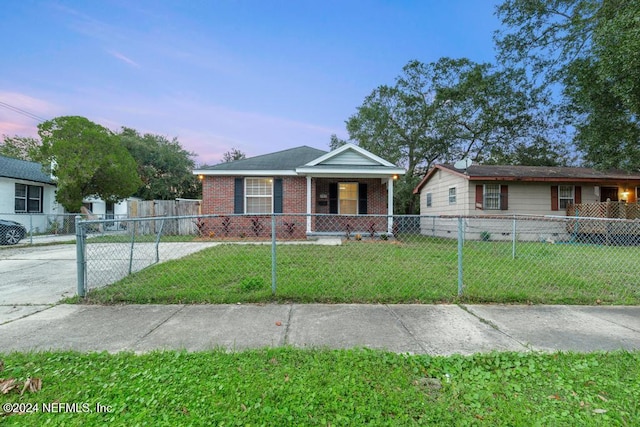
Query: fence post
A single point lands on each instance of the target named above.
(514, 239)
(273, 254)
(31, 229)
(80, 257)
(158, 242)
(460, 246)
(133, 241)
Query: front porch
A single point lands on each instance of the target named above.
(342, 205)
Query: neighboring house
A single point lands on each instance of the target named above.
(487, 190)
(343, 184)
(25, 189)
(107, 210)
(28, 196)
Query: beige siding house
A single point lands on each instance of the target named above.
(488, 190)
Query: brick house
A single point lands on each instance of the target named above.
(340, 188)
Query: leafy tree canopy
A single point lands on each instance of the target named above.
(19, 147)
(88, 160)
(164, 167)
(445, 111)
(233, 155)
(589, 51)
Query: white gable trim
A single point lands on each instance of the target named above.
(355, 148)
(341, 172)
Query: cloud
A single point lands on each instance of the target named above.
(123, 58)
(15, 123)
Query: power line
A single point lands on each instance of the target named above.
(21, 111)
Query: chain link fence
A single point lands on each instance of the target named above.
(38, 228)
(331, 258)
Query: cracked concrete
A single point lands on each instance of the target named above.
(411, 328)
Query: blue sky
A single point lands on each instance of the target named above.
(259, 76)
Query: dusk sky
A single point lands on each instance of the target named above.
(259, 75)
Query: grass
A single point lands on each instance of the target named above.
(289, 386)
(418, 269)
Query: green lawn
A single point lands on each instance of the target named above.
(289, 386)
(414, 269)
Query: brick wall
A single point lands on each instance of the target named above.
(218, 199)
(217, 194)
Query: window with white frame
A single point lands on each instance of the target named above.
(348, 198)
(491, 196)
(565, 196)
(28, 198)
(452, 195)
(429, 200)
(258, 195)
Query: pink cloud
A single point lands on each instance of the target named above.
(13, 122)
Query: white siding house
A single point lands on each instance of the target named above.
(27, 194)
(505, 191)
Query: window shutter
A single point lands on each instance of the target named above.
(238, 196)
(577, 194)
(504, 197)
(362, 198)
(277, 195)
(479, 196)
(333, 197)
(554, 198)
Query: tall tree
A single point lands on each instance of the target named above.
(233, 155)
(164, 167)
(445, 111)
(88, 160)
(589, 52)
(19, 147)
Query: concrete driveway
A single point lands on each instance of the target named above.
(37, 274)
(42, 275)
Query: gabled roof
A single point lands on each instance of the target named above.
(22, 169)
(347, 160)
(281, 162)
(350, 154)
(350, 157)
(530, 174)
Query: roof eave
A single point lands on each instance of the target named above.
(245, 172)
(550, 179)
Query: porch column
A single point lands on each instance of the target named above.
(308, 204)
(390, 205)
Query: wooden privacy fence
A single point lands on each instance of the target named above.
(166, 208)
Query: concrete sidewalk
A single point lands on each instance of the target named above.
(419, 329)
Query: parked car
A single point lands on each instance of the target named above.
(11, 232)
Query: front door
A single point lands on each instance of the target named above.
(610, 193)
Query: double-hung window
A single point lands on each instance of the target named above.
(28, 198)
(491, 196)
(452, 195)
(348, 198)
(258, 195)
(565, 196)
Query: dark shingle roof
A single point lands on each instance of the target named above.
(540, 172)
(22, 169)
(531, 174)
(282, 160)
